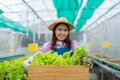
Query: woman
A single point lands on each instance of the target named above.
(61, 41)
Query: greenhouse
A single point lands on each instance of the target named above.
(59, 40)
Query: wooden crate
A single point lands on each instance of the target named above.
(52, 72)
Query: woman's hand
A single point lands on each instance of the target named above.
(27, 62)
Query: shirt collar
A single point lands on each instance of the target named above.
(58, 43)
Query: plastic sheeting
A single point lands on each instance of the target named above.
(49, 10)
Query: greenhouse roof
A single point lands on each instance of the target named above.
(23, 15)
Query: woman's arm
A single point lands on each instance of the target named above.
(44, 48)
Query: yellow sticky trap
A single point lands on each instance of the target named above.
(32, 47)
(105, 44)
(8, 47)
(90, 44)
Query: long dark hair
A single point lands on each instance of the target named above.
(67, 41)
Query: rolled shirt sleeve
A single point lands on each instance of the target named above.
(46, 47)
(74, 45)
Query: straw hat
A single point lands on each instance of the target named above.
(60, 20)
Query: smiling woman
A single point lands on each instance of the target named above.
(61, 37)
(60, 42)
(61, 32)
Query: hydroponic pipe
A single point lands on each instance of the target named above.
(109, 69)
(113, 65)
(110, 64)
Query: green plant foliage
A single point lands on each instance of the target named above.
(79, 57)
(13, 69)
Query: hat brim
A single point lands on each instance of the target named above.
(51, 27)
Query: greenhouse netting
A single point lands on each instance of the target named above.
(69, 9)
(78, 12)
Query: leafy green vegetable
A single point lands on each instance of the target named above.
(79, 57)
(13, 69)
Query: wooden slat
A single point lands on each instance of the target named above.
(58, 72)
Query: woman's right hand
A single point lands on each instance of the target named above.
(27, 62)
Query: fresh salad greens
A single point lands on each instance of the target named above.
(13, 69)
(79, 57)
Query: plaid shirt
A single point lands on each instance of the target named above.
(47, 46)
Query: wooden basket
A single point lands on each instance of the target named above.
(52, 72)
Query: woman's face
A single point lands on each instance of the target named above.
(61, 32)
